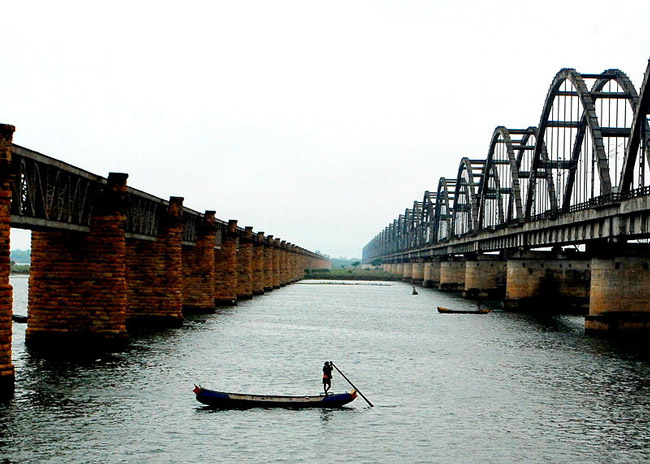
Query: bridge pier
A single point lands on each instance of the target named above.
(245, 265)
(268, 264)
(77, 282)
(547, 279)
(258, 264)
(417, 276)
(407, 272)
(276, 263)
(485, 276)
(620, 289)
(198, 269)
(452, 274)
(284, 259)
(154, 278)
(7, 370)
(225, 266)
(432, 273)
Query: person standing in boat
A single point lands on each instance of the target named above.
(327, 376)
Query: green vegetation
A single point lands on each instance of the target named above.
(23, 257)
(348, 274)
(19, 268)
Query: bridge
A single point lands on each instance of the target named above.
(556, 214)
(106, 256)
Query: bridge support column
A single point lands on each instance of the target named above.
(547, 280)
(284, 263)
(276, 263)
(225, 266)
(452, 275)
(418, 273)
(268, 264)
(258, 264)
(407, 272)
(7, 370)
(620, 290)
(198, 269)
(77, 282)
(154, 275)
(293, 263)
(485, 277)
(245, 263)
(432, 273)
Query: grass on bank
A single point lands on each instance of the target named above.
(348, 274)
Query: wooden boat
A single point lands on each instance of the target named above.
(463, 311)
(217, 399)
(19, 318)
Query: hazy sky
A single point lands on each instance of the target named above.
(317, 122)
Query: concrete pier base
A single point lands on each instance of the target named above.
(619, 298)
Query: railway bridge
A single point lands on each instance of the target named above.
(105, 256)
(555, 214)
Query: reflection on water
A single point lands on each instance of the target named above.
(501, 387)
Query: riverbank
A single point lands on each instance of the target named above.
(349, 274)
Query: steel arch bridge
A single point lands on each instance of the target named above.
(581, 174)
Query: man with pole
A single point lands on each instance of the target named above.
(327, 376)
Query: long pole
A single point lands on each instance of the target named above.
(339, 370)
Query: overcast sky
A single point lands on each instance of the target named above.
(317, 122)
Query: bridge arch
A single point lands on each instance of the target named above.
(429, 221)
(569, 113)
(445, 195)
(637, 156)
(465, 208)
(500, 199)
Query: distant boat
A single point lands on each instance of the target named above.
(19, 318)
(463, 311)
(415, 292)
(217, 399)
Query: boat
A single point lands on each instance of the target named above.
(217, 399)
(19, 318)
(463, 311)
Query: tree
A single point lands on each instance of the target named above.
(356, 264)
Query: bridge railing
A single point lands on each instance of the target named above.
(48, 191)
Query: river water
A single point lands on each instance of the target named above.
(497, 388)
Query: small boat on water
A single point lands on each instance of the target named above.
(217, 399)
(19, 318)
(463, 311)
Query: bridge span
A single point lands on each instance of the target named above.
(105, 256)
(557, 213)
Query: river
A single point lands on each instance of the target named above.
(497, 388)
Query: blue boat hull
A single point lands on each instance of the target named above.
(224, 400)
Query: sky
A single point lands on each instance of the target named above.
(316, 122)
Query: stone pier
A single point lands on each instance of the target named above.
(619, 297)
(276, 263)
(432, 273)
(198, 268)
(7, 371)
(225, 266)
(452, 275)
(417, 274)
(268, 264)
(485, 277)
(245, 265)
(258, 264)
(154, 273)
(77, 282)
(547, 280)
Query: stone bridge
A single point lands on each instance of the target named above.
(105, 256)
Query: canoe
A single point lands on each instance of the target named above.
(462, 311)
(19, 318)
(217, 399)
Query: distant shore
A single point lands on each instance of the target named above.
(349, 274)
